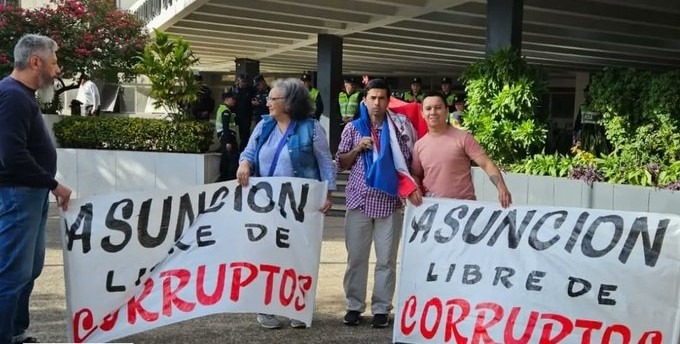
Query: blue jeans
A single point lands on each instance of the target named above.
(23, 214)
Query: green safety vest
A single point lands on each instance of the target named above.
(450, 99)
(313, 94)
(348, 104)
(219, 126)
(408, 97)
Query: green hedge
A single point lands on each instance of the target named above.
(138, 134)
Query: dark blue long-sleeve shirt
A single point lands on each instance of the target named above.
(27, 154)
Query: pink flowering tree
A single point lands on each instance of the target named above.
(93, 37)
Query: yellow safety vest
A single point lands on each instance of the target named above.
(408, 97)
(348, 104)
(313, 93)
(219, 126)
(450, 99)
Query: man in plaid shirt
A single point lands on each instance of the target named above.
(372, 213)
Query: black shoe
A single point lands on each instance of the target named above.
(352, 318)
(380, 320)
(29, 340)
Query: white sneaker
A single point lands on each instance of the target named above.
(268, 321)
(297, 324)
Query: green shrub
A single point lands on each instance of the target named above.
(167, 62)
(554, 165)
(669, 175)
(502, 96)
(138, 134)
(641, 116)
(610, 168)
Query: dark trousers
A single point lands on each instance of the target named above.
(229, 157)
(244, 123)
(23, 215)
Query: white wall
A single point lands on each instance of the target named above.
(551, 191)
(96, 172)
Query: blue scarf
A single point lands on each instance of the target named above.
(381, 173)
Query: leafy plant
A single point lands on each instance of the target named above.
(669, 175)
(554, 165)
(641, 117)
(168, 65)
(93, 36)
(502, 95)
(139, 134)
(661, 96)
(641, 113)
(586, 173)
(612, 168)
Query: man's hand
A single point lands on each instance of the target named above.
(504, 196)
(347, 119)
(63, 195)
(346, 160)
(366, 143)
(416, 197)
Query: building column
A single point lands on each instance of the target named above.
(329, 83)
(503, 24)
(247, 66)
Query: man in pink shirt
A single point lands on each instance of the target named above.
(441, 158)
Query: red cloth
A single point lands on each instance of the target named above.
(412, 112)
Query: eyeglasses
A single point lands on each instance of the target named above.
(271, 99)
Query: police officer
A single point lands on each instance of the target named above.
(260, 100)
(228, 144)
(349, 100)
(415, 94)
(449, 96)
(313, 95)
(244, 94)
(457, 117)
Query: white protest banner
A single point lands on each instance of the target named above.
(472, 272)
(138, 261)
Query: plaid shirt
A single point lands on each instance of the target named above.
(370, 201)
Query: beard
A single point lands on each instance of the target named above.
(46, 90)
(46, 93)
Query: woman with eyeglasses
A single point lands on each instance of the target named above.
(288, 143)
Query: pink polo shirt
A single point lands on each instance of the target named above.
(443, 163)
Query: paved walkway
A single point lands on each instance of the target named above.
(49, 309)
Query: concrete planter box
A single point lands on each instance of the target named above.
(94, 172)
(50, 120)
(542, 190)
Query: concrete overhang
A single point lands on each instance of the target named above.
(419, 37)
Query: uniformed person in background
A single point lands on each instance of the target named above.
(457, 117)
(260, 100)
(313, 95)
(415, 95)
(349, 100)
(228, 143)
(244, 94)
(449, 96)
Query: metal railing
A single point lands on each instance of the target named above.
(150, 9)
